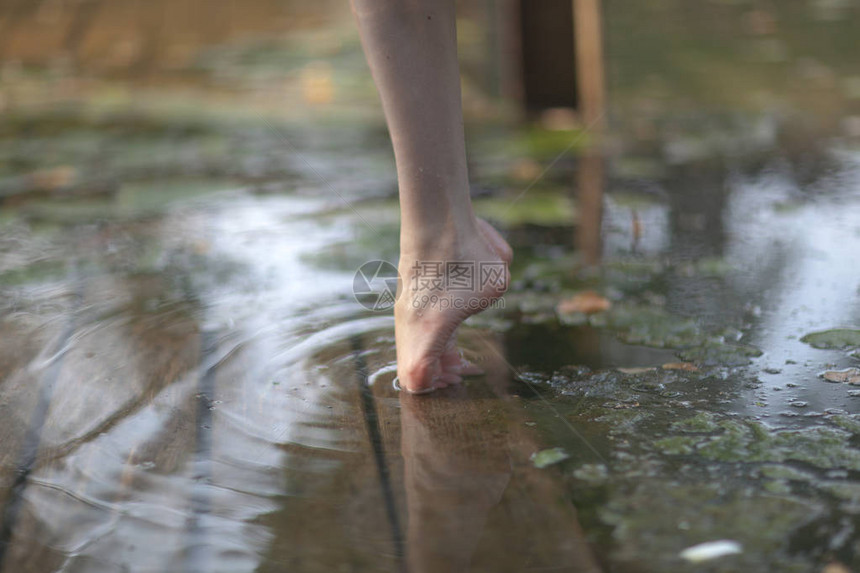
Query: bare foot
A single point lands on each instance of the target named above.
(441, 288)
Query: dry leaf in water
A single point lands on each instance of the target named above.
(688, 366)
(55, 178)
(586, 302)
(847, 376)
(638, 370)
(526, 170)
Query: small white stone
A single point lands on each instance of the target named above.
(710, 550)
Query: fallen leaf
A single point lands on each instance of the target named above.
(51, 179)
(586, 302)
(200, 247)
(559, 119)
(637, 227)
(847, 376)
(835, 567)
(317, 84)
(526, 170)
(638, 370)
(688, 366)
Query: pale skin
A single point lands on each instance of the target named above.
(411, 47)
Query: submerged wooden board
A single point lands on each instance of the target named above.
(216, 451)
(456, 467)
(98, 381)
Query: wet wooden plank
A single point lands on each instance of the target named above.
(19, 385)
(99, 418)
(335, 516)
(290, 477)
(467, 497)
(25, 394)
(475, 501)
(590, 181)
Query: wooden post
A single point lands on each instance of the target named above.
(589, 193)
(588, 39)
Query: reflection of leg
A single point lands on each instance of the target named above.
(536, 503)
(412, 50)
(590, 202)
(472, 494)
(455, 473)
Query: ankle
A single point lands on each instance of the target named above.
(443, 239)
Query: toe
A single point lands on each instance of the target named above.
(470, 369)
(453, 362)
(420, 377)
(447, 379)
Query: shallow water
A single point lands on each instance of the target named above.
(188, 383)
(230, 408)
(192, 386)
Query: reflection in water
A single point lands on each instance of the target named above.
(590, 63)
(590, 183)
(592, 107)
(205, 415)
(159, 445)
(804, 278)
(198, 410)
(474, 501)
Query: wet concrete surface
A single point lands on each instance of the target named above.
(189, 385)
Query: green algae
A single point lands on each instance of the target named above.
(777, 487)
(785, 473)
(536, 142)
(549, 457)
(676, 445)
(591, 473)
(846, 491)
(638, 315)
(375, 244)
(847, 422)
(622, 420)
(700, 423)
(733, 445)
(551, 142)
(573, 318)
(546, 207)
(532, 303)
(706, 267)
(133, 201)
(750, 441)
(36, 272)
(835, 339)
(754, 476)
(660, 518)
(649, 326)
(720, 353)
(633, 277)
